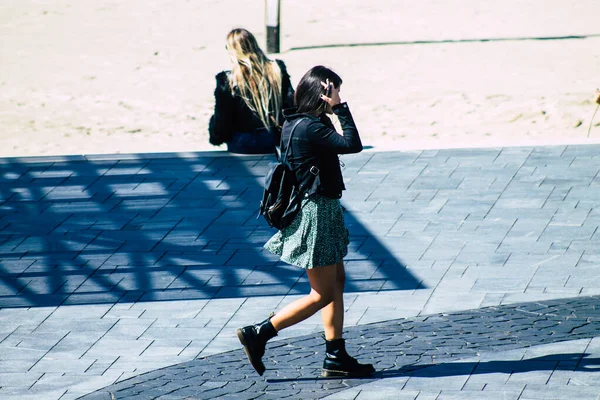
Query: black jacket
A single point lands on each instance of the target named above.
(316, 143)
(233, 115)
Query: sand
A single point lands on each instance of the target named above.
(88, 77)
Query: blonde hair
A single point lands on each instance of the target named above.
(257, 78)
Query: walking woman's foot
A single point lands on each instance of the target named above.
(338, 363)
(254, 339)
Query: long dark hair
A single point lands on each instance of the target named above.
(309, 90)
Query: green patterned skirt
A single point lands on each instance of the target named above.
(316, 238)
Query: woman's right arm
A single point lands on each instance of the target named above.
(219, 127)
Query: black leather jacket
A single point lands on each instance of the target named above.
(233, 115)
(316, 144)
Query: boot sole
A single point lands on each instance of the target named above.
(331, 373)
(259, 368)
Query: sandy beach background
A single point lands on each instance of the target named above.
(107, 76)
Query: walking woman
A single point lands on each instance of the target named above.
(317, 239)
(249, 98)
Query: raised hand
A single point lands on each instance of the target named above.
(334, 94)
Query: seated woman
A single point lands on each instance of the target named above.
(249, 98)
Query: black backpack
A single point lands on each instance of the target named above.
(282, 195)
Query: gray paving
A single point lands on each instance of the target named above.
(424, 347)
(114, 266)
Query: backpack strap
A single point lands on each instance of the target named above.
(289, 142)
(314, 170)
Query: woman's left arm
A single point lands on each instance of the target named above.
(323, 135)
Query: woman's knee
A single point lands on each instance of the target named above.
(321, 299)
(324, 284)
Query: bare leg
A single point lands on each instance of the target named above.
(333, 313)
(338, 363)
(323, 288)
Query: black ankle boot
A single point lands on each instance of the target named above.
(254, 339)
(339, 363)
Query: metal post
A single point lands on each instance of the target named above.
(272, 9)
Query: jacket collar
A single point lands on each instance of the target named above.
(291, 114)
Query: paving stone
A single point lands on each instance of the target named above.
(538, 392)
(31, 394)
(47, 364)
(19, 379)
(477, 395)
(116, 347)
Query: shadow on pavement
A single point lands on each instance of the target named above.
(101, 230)
(424, 346)
(563, 362)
